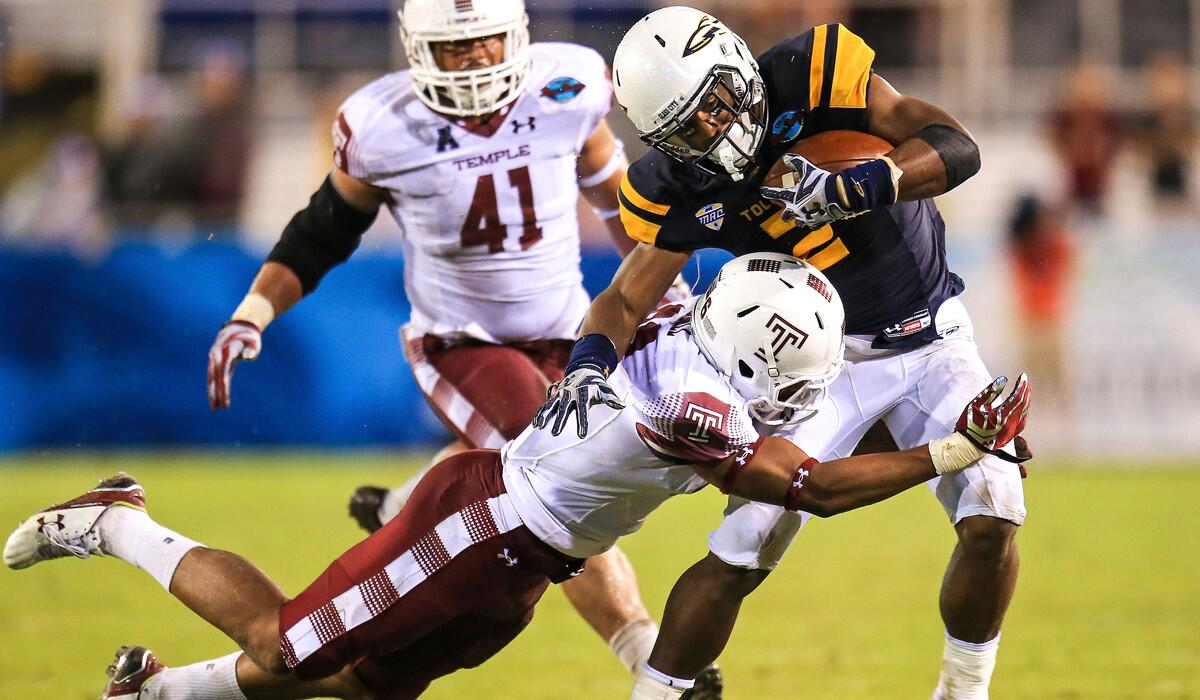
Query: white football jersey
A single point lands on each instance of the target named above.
(490, 235)
(580, 496)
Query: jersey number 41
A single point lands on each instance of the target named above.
(483, 226)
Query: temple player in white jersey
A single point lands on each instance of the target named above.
(480, 151)
(454, 577)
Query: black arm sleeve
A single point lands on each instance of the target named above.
(320, 236)
(958, 152)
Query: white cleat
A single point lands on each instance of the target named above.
(69, 529)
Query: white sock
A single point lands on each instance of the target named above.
(132, 536)
(633, 643)
(652, 684)
(207, 680)
(966, 669)
(397, 497)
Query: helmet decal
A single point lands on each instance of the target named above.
(706, 31)
(785, 334)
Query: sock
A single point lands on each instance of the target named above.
(966, 669)
(207, 680)
(652, 684)
(633, 643)
(132, 536)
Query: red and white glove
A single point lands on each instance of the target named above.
(236, 341)
(990, 426)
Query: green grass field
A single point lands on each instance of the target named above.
(1108, 604)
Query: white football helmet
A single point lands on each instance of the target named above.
(775, 326)
(473, 92)
(677, 60)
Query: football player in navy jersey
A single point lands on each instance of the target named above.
(717, 120)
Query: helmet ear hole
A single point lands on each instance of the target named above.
(746, 370)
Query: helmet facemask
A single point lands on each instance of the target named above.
(790, 398)
(473, 92)
(731, 152)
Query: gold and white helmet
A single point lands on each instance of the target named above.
(676, 61)
(473, 92)
(775, 326)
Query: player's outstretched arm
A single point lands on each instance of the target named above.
(778, 472)
(317, 238)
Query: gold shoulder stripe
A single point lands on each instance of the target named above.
(816, 66)
(638, 228)
(833, 253)
(851, 71)
(638, 200)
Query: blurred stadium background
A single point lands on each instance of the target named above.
(152, 150)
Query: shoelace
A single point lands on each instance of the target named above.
(75, 546)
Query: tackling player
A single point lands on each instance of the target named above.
(718, 119)
(455, 576)
(480, 151)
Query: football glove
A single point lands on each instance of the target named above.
(236, 341)
(815, 197)
(575, 393)
(990, 426)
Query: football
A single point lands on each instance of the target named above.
(832, 151)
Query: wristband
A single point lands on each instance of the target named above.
(606, 214)
(741, 460)
(593, 349)
(953, 453)
(256, 309)
(615, 162)
(792, 501)
(870, 185)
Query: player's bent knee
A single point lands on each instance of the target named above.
(985, 537)
(263, 648)
(735, 580)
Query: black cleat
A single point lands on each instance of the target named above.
(365, 505)
(710, 685)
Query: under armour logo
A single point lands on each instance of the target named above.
(42, 524)
(445, 140)
(785, 334)
(506, 558)
(517, 126)
(801, 475)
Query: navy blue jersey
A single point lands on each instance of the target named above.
(889, 265)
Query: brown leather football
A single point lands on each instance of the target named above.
(832, 151)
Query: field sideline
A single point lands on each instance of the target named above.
(1108, 605)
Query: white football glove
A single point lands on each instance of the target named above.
(809, 194)
(575, 393)
(815, 197)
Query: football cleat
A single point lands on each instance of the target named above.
(365, 505)
(709, 685)
(69, 529)
(129, 671)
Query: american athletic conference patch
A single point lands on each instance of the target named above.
(563, 89)
(711, 215)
